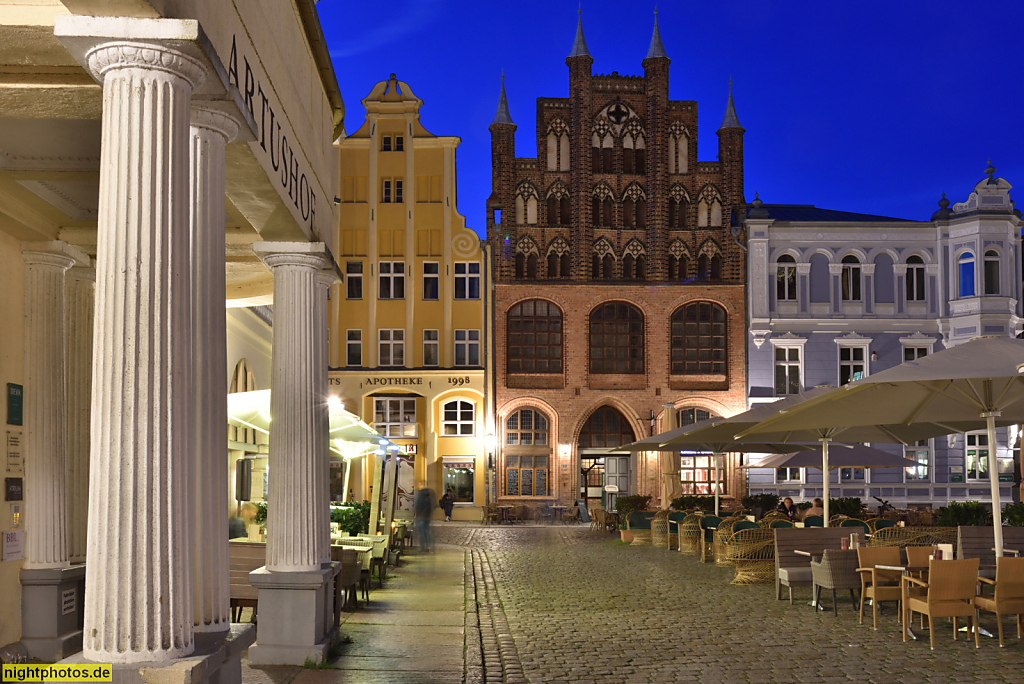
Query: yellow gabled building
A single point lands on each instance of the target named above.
(408, 332)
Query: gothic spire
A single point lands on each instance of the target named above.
(502, 116)
(730, 120)
(579, 46)
(656, 49)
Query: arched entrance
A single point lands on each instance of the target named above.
(600, 471)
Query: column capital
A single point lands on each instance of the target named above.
(153, 55)
(327, 277)
(54, 253)
(311, 255)
(213, 119)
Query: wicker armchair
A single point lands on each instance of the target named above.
(1008, 598)
(640, 526)
(880, 524)
(774, 524)
(489, 514)
(752, 552)
(950, 586)
(690, 534)
(837, 520)
(659, 529)
(673, 537)
(913, 536)
(721, 537)
(875, 584)
(854, 522)
(707, 538)
(772, 516)
(836, 570)
(814, 521)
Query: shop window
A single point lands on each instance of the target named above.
(394, 417)
(458, 418)
(459, 477)
(526, 475)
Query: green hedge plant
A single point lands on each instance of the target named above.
(962, 513)
(846, 505)
(1013, 515)
(688, 502)
(624, 505)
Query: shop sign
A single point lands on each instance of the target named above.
(611, 488)
(15, 397)
(15, 460)
(13, 545)
(956, 473)
(14, 489)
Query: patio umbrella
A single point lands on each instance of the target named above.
(840, 456)
(717, 435)
(972, 386)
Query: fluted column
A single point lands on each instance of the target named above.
(79, 296)
(139, 592)
(210, 132)
(45, 265)
(296, 464)
(324, 280)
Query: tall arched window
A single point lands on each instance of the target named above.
(677, 209)
(677, 267)
(526, 204)
(850, 279)
(627, 267)
(965, 274)
(991, 272)
(678, 149)
(527, 461)
(553, 265)
(531, 266)
(699, 339)
(534, 337)
(785, 279)
(601, 152)
(716, 267)
(628, 213)
(608, 267)
(616, 339)
(520, 265)
(915, 279)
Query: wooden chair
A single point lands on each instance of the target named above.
(875, 584)
(950, 586)
(1008, 598)
(243, 558)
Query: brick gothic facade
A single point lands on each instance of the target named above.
(618, 226)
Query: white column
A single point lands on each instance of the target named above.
(210, 132)
(45, 539)
(296, 466)
(79, 289)
(138, 603)
(322, 517)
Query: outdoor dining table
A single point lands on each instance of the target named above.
(505, 514)
(922, 570)
(556, 512)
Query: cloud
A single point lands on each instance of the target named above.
(403, 20)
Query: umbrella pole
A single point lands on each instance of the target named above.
(825, 477)
(993, 479)
(716, 483)
(348, 473)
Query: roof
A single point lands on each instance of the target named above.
(657, 49)
(730, 120)
(809, 212)
(579, 46)
(502, 116)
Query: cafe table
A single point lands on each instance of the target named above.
(921, 570)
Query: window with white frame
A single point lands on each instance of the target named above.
(920, 453)
(354, 279)
(399, 143)
(915, 279)
(467, 347)
(391, 280)
(431, 280)
(991, 272)
(852, 476)
(852, 363)
(976, 455)
(391, 191)
(394, 416)
(785, 279)
(697, 474)
(467, 280)
(391, 347)
(787, 370)
(385, 143)
(789, 475)
(458, 418)
(914, 353)
(353, 347)
(850, 279)
(431, 348)
(965, 274)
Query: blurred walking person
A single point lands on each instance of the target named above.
(423, 505)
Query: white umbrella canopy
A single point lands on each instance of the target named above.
(972, 386)
(840, 456)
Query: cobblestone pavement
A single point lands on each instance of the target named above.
(561, 604)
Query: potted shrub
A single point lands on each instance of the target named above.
(624, 505)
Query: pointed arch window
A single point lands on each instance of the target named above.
(709, 208)
(991, 272)
(616, 339)
(627, 267)
(678, 267)
(678, 149)
(608, 267)
(526, 204)
(699, 339)
(606, 427)
(602, 145)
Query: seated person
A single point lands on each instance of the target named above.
(788, 508)
(238, 527)
(816, 509)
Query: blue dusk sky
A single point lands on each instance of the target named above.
(870, 106)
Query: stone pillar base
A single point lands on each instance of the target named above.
(51, 611)
(295, 615)
(216, 660)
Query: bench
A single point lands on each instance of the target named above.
(979, 542)
(243, 558)
(793, 569)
